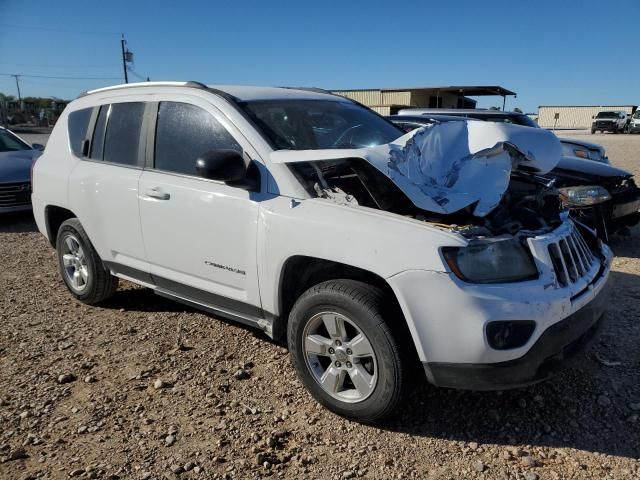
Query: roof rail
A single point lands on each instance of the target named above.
(191, 84)
(313, 89)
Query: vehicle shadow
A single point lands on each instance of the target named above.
(20, 222)
(626, 246)
(140, 299)
(586, 407)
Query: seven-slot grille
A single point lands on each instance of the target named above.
(571, 256)
(15, 194)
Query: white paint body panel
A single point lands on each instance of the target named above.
(203, 221)
(258, 233)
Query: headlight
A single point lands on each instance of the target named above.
(584, 195)
(491, 261)
(581, 153)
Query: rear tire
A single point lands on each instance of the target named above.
(81, 267)
(344, 351)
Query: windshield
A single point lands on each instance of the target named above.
(637, 114)
(319, 124)
(11, 143)
(607, 115)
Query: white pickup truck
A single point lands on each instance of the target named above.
(613, 121)
(314, 219)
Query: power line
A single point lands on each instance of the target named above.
(59, 78)
(50, 84)
(58, 30)
(57, 65)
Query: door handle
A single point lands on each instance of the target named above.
(157, 194)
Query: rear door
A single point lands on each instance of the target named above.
(103, 188)
(199, 234)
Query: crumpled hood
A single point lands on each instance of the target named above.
(16, 166)
(446, 167)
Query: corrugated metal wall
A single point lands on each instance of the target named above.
(396, 98)
(366, 97)
(574, 117)
(382, 109)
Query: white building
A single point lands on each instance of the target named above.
(577, 116)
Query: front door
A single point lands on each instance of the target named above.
(199, 234)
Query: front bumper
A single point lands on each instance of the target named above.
(16, 208)
(634, 128)
(448, 318)
(605, 127)
(15, 197)
(557, 344)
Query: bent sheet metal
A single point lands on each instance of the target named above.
(446, 167)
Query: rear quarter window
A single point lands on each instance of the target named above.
(77, 124)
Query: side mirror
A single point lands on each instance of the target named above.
(37, 146)
(226, 166)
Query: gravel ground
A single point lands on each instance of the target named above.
(144, 388)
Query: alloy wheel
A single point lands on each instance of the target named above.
(74, 263)
(340, 357)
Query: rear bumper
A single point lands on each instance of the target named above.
(553, 348)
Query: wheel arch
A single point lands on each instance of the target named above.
(54, 217)
(300, 272)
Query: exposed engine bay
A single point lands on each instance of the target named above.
(530, 203)
(481, 179)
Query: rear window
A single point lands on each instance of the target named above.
(122, 137)
(77, 124)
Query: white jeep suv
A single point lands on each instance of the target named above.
(314, 219)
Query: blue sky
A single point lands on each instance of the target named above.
(550, 52)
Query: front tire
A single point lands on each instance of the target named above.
(344, 351)
(81, 267)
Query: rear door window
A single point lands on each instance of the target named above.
(183, 133)
(122, 137)
(77, 124)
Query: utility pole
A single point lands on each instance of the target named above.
(18, 87)
(123, 42)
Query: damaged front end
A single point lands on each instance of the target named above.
(481, 179)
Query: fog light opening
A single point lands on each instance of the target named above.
(505, 335)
